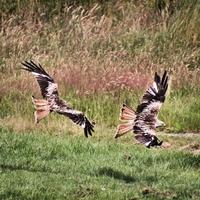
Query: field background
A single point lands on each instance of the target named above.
(101, 53)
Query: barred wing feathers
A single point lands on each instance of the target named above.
(148, 140)
(147, 111)
(47, 85)
(79, 118)
(127, 117)
(49, 90)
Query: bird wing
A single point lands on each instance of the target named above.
(148, 140)
(47, 85)
(79, 118)
(144, 138)
(49, 90)
(147, 111)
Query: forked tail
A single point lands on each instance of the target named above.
(42, 109)
(127, 117)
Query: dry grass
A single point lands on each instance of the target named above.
(97, 51)
(88, 43)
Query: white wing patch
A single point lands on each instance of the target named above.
(73, 112)
(155, 86)
(49, 90)
(156, 105)
(83, 125)
(147, 112)
(151, 91)
(52, 87)
(38, 75)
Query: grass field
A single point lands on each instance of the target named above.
(36, 165)
(101, 54)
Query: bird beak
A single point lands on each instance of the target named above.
(160, 123)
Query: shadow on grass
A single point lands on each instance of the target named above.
(107, 171)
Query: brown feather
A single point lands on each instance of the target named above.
(42, 109)
(126, 113)
(49, 90)
(123, 128)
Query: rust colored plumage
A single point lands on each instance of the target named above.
(42, 109)
(144, 120)
(127, 117)
(52, 101)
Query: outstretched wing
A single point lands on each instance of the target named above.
(147, 111)
(79, 118)
(148, 140)
(49, 90)
(47, 85)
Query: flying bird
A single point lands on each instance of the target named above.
(127, 117)
(52, 102)
(144, 120)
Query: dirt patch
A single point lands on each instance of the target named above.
(196, 134)
(157, 193)
(193, 147)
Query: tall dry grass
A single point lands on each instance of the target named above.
(101, 55)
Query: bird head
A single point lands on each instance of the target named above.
(160, 123)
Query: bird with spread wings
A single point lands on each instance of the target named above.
(144, 120)
(52, 101)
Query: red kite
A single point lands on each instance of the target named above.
(52, 101)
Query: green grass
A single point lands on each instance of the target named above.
(180, 111)
(35, 165)
(94, 42)
(100, 55)
(93, 50)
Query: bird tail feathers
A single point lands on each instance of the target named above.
(42, 109)
(123, 129)
(127, 116)
(126, 113)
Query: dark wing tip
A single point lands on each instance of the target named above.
(164, 78)
(25, 66)
(165, 73)
(85, 133)
(162, 84)
(116, 136)
(29, 66)
(89, 128)
(157, 78)
(122, 107)
(37, 68)
(148, 140)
